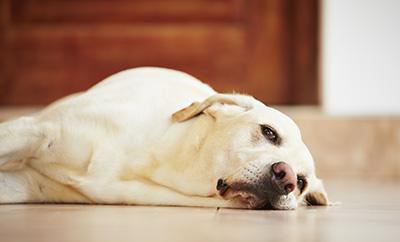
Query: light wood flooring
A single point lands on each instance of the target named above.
(370, 211)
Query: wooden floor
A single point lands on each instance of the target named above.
(370, 211)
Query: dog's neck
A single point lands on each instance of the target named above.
(173, 156)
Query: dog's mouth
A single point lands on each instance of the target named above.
(222, 186)
(241, 193)
(251, 196)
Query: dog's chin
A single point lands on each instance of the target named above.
(250, 200)
(283, 202)
(243, 199)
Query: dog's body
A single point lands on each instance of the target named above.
(119, 143)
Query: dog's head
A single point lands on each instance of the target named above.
(259, 157)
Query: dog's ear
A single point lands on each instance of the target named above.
(316, 195)
(196, 108)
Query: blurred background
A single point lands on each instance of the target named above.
(332, 65)
(268, 48)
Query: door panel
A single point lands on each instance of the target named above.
(266, 48)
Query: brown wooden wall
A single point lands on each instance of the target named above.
(267, 48)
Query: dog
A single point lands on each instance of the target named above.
(156, 136)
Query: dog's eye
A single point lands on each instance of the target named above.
(301, 183)
(270, 134)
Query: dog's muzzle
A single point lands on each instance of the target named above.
(275, 181)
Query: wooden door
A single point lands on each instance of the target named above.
(266, 48)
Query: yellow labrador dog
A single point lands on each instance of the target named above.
(155, 136)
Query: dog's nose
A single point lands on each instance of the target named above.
(283, 178)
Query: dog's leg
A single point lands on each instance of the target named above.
(14, 187)
(19, 140)
(143, 192)
(29, 186)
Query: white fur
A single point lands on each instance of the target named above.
(117, 143)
